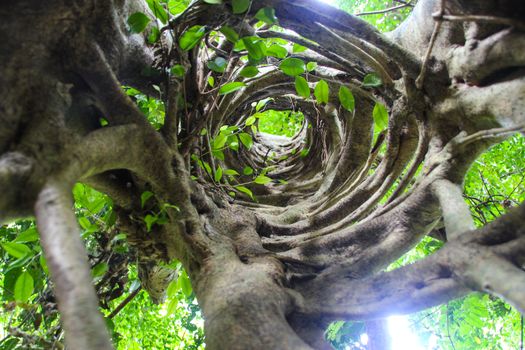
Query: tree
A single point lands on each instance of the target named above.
(395, 122)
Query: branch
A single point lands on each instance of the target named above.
(69, 268)
(110, 148)
(125, 302)
(486, 260)
(347, 46)
(170, 128)
(456, 213)
(490, 259)
(405, 290)
(491, 273)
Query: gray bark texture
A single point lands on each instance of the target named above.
(270, 274)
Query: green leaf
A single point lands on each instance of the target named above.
(150, 220)
(23, 261)
(249, 71)
(154, 36)
(158, 10)
(137, 22)
(277, 51)
(167, 206)
(144, 198)
(267, 15)
(24, 287)
(240, 6)
(16, 250)
(292, 66)
(261, 104)
(322, 91)
(231, 172)
(185, 284)
(207, 167)
(250, 120)
(110, 218)
(99, 270)
(172, 307)
(213, 2)
(301, 86)
(231, 87)
(120, 236)
(256, 48)
(103, 121)
(191, 37)
(211, 81)
(218, 154)
(218, 64)
(246, 139)
(262, 180)
(372, 80)
(230, 34)
(380, 114)
(245, 190)
(29, 235)
(218, 174)
(247, 170)
(311, 66)
(43, 263)
(178, 70)
(171, 291)
(346, 98)
(220, 141)
(84, 222)
(298, 48)
(233, 142)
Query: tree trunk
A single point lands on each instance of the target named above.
(270, 273)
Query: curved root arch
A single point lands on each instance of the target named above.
(391, 124)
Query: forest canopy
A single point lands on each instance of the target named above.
(262, 174)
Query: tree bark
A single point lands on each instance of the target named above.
(270, 273)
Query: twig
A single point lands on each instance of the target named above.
(491, 133)
(491, 197)
(437, 26)
(516, 187)
(378, 12)
(448, 332)
(404, 2)
(209, 45)
(124, 302)
(486, 19)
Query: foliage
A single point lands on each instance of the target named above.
(496, 180)
(30, 320)
(175, 324)
(385, 22)
(495, 183)
(283, 123)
